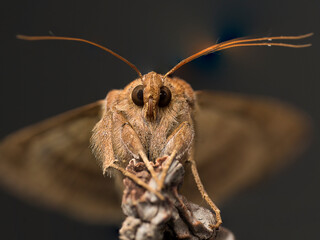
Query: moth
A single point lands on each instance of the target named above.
(228, 140)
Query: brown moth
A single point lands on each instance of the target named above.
(231, 140)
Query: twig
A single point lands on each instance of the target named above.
(175, 217)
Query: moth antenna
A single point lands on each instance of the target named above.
(264, 41)
(37, 38)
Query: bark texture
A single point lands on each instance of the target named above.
(148, 217)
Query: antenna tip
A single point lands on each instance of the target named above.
(23, 37)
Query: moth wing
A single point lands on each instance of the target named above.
(51, 163)
(241, 139)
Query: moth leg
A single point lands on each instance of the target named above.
(178, 143)
(204, 194)
(165, 170)
(132, 142)
(136, 180)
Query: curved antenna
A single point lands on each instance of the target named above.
(243, 43)
(37, 38)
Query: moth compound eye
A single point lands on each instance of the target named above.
(137, 95)
(165, 96)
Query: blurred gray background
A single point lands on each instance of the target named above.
(42, 79)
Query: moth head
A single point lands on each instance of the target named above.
(151, 94)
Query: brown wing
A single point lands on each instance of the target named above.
(242, 139)
(51, 163)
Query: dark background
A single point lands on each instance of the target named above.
(42, 79)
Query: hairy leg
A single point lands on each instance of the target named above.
(204, 194)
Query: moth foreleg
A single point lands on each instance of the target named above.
(131, 141)
(178, 143)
